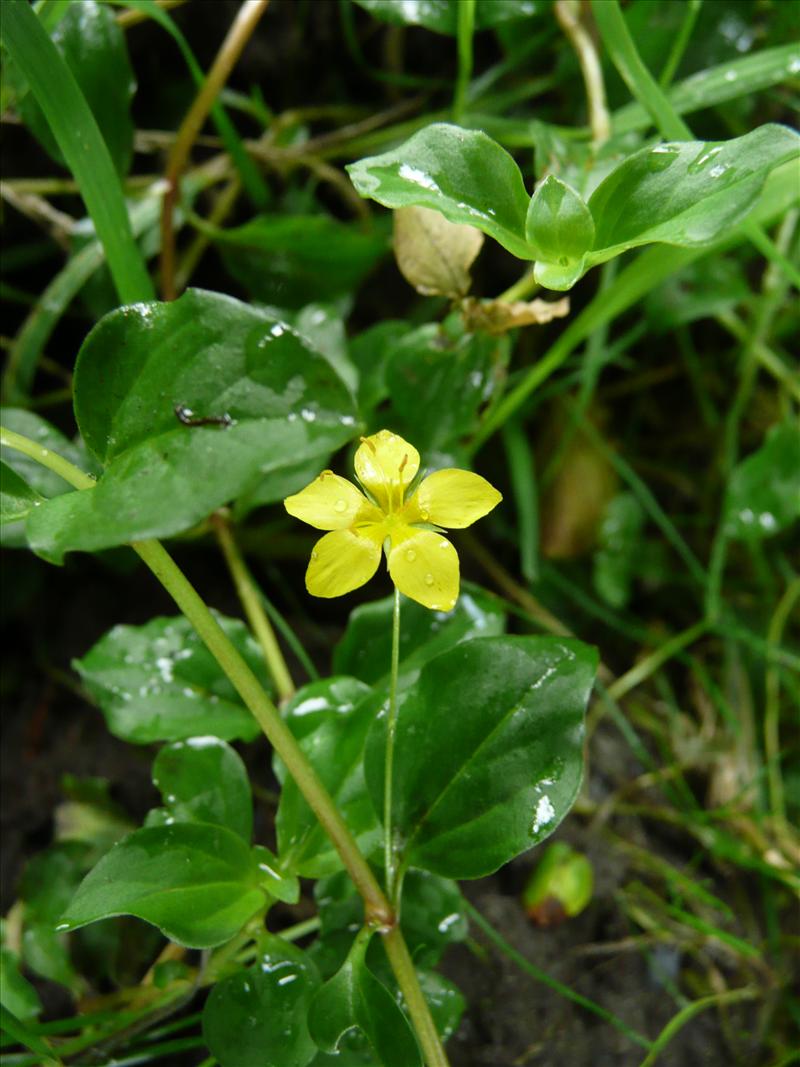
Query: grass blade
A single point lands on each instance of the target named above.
(81, 144)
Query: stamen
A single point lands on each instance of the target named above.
(403, 462)
(366, 441)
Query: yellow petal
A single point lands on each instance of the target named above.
(452, 498)
(424, 567)
(331, 503)
(342, 561)
(386, 466)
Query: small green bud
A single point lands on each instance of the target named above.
(560, 887)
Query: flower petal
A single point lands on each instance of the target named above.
(331, 503)
(425, 568)
(342, 561)
(452, 498)
(386, 466)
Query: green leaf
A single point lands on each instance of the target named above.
(257, 1017)
(488, 753)
(463, 174)
(560, 226)
(17, 498)
(365, 649)
(215, 357)
(197, 883)
(40, 479)
(743, 76)
(330, 719)
(279, 885)
(12, 1026)
(81, 143)
(92, 45)
(421, 369)
(763, 494)
(441, 16)
(685, 192)
(292, 260)
(159, 682)
(204, 780)
(445, 1000)
(432, 916)
(618, 553)
(17, 995)
(355, 998)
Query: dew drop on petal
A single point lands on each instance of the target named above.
(340, 506)
(314, 553)
(424, 514)
(429, 579)
(411, 555)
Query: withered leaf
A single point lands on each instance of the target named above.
(434, 255)
(497, 316)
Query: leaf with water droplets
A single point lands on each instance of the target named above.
(202, 779)
(463, 174)
(199, 884)
(159, 682)
(188, 405)
(488, 751)
(330, 719)
(354, 998)
(257, 1017)
(763, 495)
(17, 498)
(685, 193)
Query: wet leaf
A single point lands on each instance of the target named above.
(618, 554)
(463, 174)
(560, 227)
(159, 682)
(17, 498)
(204, 780)
(470, 799)
(763, 495)
(257, 1017)
(441, 16)
(206, 356)
(199, 884)
(93, 46)
(685, 193)
(355, 998)
(365, 648)
(330, 718)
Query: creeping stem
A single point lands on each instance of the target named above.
(378, 911)
(391, 730)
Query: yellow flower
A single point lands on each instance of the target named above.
(422, 564)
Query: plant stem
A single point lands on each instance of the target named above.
(692, 10)
(406, 975)
(391, 731)
(730, 996)
(772, 749)
(251, 602)
(378, 912)
(238, 35)
(568, 15)
(466, 27)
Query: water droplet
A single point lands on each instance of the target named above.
(411, 555)
(340, 506)
(424, 514)
(429, 579)
(314, 553)
(662, 156)
(702, 161)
